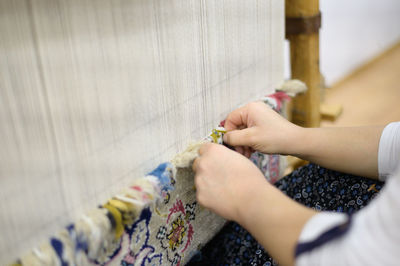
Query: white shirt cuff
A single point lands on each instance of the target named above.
(389, 150)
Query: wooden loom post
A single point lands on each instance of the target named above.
(302, 30)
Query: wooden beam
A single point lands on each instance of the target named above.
(304, 57)
(330, 111)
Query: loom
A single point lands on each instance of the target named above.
(96, 94)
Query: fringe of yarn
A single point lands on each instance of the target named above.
(186, 158)
(94, 236)
(292, 87)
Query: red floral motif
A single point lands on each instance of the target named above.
(177, 207)
(177, 234)
(189, 237)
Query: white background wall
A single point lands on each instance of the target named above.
(353, 32)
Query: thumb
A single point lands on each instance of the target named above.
(242, 137)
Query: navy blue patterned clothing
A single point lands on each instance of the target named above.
(313, 186)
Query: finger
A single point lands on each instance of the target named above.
(197, 182)
(195, 164)
(204, 148)
(239, 149)
(247, 152)
(201, 200)
(236, 119)
(242, 137)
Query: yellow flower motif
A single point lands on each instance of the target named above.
(177, 233)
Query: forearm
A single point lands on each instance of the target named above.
(275, 221)
(349, 150)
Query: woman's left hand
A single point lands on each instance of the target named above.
(225, 181)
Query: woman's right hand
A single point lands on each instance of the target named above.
(258, 127)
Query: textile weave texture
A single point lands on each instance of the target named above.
(168, 233)
(96, 93)
(313, 186)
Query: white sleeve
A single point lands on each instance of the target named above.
(372, 238)
(389, 150)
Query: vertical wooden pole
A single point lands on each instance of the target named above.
(304, 57)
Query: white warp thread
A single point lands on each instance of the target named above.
(94, 93)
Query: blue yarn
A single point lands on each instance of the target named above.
(80, 241)
(59, 249)
(163, 175)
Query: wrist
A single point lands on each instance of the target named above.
(294, 142)
(249, 204)
(305, 144)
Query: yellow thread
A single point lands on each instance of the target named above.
(127, 210)
(119, 227)
(160, 214)
(214, 136)
(223, 131)
(122, 206)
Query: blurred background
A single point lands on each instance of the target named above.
(360, 60)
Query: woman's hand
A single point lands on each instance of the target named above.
(226, 181)
(352, 150)
(257, 127)
(230, 185)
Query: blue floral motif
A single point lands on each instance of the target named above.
(141, 252)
